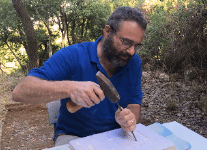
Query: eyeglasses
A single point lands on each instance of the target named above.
(128, 43)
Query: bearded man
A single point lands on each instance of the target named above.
(70, 75)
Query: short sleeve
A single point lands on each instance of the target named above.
(59, 66)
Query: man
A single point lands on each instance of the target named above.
(70, 75)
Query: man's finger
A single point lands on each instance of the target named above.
(89, 102)
(125, 111)
(99, 92)
(94, 98)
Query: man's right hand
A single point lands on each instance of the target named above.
(86, 94)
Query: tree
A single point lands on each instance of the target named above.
(10, 34)
(87, 19)
(63, 23)
(27, 23)
(45, 11)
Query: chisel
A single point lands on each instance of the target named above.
(109, 90)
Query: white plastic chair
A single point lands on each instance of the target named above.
(53, 112)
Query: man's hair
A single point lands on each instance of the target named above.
(126, 14)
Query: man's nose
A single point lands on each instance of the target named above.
(131, 50)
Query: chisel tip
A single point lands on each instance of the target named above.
(134, 136)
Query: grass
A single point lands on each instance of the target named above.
(9, 81)
(171, 104)
(7, 71)
(203, 103)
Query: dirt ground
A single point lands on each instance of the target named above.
(26, 127)
(22, 127)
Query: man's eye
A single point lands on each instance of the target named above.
(126, 43)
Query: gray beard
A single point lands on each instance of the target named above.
(111, 53)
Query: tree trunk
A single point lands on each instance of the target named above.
(68, 36)
(64, 28)
(62, 31)
(82, 29)
(73, 32)
(22, 37)
(46, 23)
(32, 50)
(50, 37)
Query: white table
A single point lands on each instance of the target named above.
(197, 141)
(63, 147)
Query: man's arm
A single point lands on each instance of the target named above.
(33, 90)
(136, 110)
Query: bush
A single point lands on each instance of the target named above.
(203, 103)
(176, 37)
(188, 41)
(156, 38)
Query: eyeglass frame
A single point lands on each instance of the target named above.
(128, 44)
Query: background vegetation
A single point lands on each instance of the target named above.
(175, 42)
(176, 38)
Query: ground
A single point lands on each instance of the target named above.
(164, 100)
(22, 126)
(26, 127)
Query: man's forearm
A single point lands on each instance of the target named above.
(33, 90)
(136, 110)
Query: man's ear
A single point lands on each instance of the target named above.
(107, 31)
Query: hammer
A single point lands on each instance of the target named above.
(108, 89)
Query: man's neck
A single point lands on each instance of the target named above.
(109, 68)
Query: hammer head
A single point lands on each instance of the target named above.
(107, 87)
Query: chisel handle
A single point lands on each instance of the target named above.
(119, 106)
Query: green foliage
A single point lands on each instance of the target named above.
(89, 18)
(187, 48)
(121, 3)
(42, 9)
(9, 35)
(42, 39)
(156, 38)
(176, 36)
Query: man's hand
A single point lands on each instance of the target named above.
(126, 119)
(86, 94)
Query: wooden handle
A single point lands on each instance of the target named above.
(73, 107)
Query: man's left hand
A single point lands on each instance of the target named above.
(126, 119)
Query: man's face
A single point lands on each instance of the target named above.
(112, 54)
(113, 49)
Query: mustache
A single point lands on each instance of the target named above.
(125, 55)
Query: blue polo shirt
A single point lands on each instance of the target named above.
(79, 62)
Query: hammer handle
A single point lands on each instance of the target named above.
(72, 107)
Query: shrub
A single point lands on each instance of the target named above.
(176, 37)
